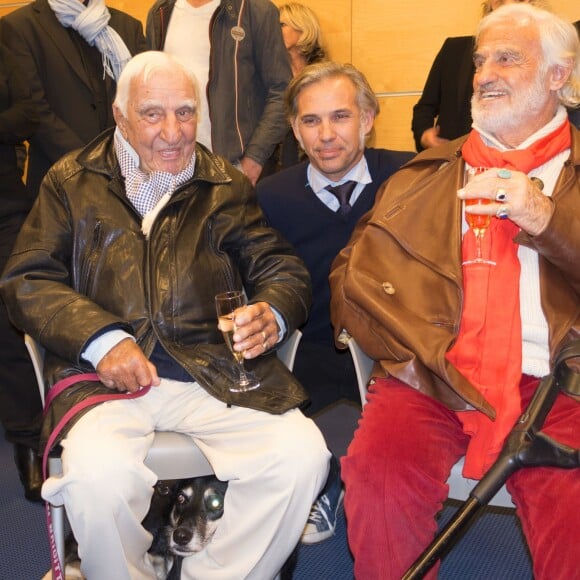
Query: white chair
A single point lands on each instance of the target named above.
(459, 486)
(172, 455)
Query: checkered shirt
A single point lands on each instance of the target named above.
(143, 189)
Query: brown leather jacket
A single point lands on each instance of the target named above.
(397, 286)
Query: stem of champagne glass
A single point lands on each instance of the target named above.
(243, 377)
(478, 237)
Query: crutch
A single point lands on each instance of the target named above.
(525, 446)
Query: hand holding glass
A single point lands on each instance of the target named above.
(226, 304)
(478, 223)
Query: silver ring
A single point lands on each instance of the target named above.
(502, 212)
(501, 195)
(504, 173)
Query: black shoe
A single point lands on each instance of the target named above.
(29, 466)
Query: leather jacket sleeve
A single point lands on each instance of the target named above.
(38, 285)
(273, 67)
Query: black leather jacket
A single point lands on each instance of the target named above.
(81, 266)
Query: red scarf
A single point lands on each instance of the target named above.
(488, 350)
(524, 160)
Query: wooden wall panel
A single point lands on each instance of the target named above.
(6, 7)
(393, 43)
(567, 8)
(136, 8)
(11, 5)
(393, 125)
(5, 10)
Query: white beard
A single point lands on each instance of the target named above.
(527, 105)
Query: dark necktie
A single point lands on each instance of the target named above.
(343, 192)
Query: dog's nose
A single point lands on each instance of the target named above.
(182, 536)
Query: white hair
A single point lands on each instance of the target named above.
(143, 65)
(558, 39)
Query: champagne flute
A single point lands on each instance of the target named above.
(226, 304)
(478, 223)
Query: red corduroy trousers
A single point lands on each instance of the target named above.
(395, 472)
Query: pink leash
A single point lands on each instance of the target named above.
(56, 565)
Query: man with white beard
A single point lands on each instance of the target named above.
(461, 343)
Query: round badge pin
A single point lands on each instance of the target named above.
(238, 33)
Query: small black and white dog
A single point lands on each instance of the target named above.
(183, 518)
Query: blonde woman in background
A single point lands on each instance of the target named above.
(301, 33)
(302, 38)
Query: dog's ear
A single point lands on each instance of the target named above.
(161, 502)
(219, 486)
(165, 487)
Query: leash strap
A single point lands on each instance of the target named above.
(64, 384)
(56, 565)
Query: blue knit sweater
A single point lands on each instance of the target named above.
(316, 232)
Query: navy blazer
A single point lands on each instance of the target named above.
(18, 120)
(316, 232)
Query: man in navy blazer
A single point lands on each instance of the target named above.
(331, 108)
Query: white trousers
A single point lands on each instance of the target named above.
(275, 465)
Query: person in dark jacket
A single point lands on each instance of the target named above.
(20, 405)
(235, 48)
(443, 112)
(71, 53)
(129, 242)
(303, 41)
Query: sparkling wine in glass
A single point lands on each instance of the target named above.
(478, 223)
(226, 304)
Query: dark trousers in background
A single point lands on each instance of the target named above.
(20, 405)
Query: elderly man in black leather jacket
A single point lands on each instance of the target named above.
(117, 268)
